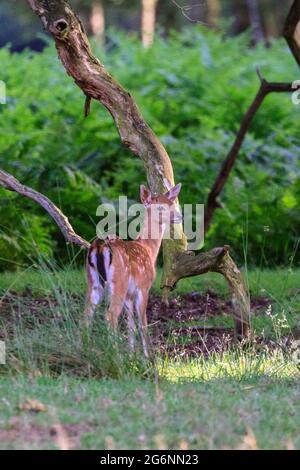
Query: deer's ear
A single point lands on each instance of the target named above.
(145, 195)
(173, 192)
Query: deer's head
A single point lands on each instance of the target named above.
(162, 208)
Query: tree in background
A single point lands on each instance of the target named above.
(148, 21)
(95, 10)
(97, 20)
(213, 12)
(255, 21)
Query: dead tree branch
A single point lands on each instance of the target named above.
(265, 89)
(10, 183)
(219, 261)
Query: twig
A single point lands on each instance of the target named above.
(185, 8)
(87, 106)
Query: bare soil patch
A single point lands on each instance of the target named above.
(24, 433)
(186, 326)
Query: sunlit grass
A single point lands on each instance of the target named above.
(230, 365)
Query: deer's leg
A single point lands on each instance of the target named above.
(130, 323)
(141, 301)
(118, 292)
(94, 294)
(113, 313)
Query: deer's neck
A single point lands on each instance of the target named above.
(151, 236)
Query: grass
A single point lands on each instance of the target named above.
(278, 284)
(125, 414)
(99, 396)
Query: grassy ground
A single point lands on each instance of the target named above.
(59, 393)
(278, 284)
(123, 414)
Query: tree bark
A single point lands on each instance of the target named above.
(96, 83)
(148, 22)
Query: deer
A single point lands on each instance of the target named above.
(127, 268)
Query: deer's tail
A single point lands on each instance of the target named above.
(100, 258)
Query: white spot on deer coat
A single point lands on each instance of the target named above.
(131, 285)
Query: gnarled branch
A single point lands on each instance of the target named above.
(265, 89)
(96, 83)
(217, 260)
(10, 183)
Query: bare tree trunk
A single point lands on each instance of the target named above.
(213, 12)
(148, 21)
(97, 20)
(96, 83)
(255, 21)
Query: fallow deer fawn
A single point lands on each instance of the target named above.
(127, 268)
